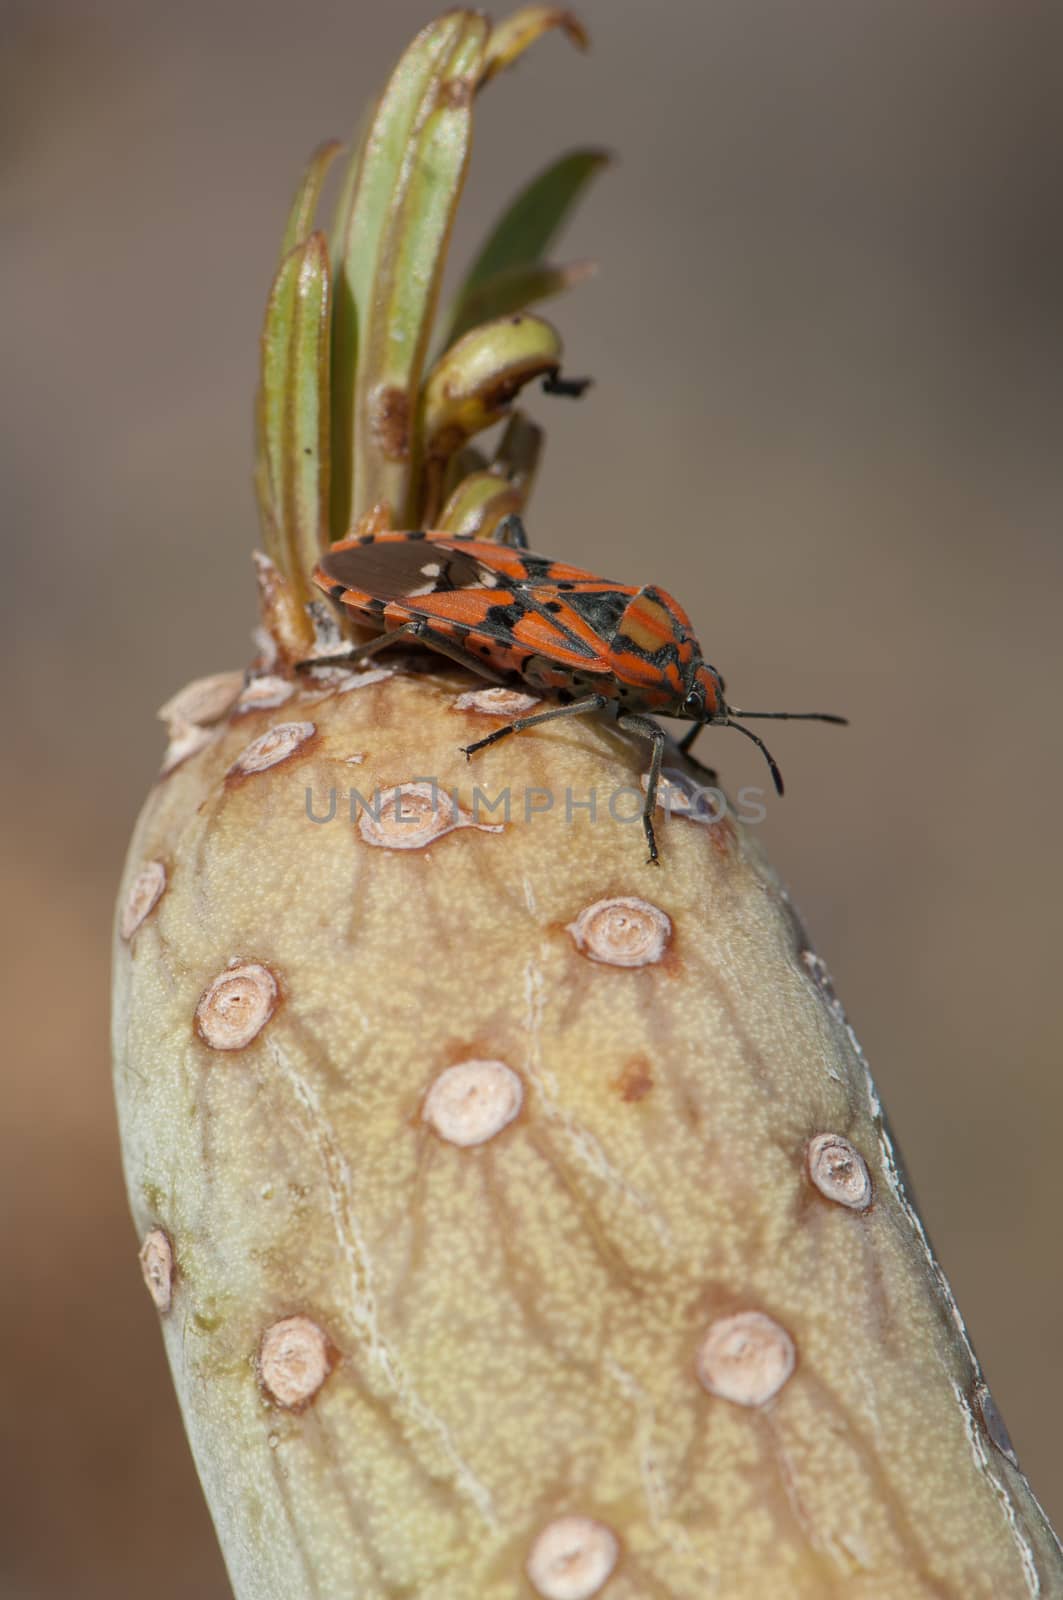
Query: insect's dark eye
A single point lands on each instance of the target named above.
(694, 703)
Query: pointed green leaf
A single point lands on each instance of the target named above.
(511, 38)
(484, 495)
(270, 407)
(305, 459)
(528, 227)
(344, 346)
(519, 451)
(301, 217)
(400, 215)
(292, 468)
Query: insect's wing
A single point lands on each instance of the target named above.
(401, 570)
(473, 586)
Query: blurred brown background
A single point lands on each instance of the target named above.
(827, 416)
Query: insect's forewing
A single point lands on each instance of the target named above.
(522, 602)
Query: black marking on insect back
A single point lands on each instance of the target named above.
(601, 609)
(416, 533)
(665, 655)
(555, 606)
(563, 634)
(537, 569)
(503, 618)
(337, 590)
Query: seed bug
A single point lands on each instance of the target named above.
(510, 615)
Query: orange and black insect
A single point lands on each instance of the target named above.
(510, 615)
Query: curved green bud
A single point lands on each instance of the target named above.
(479, 504)
(472, 384)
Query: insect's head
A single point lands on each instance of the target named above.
(704, 699)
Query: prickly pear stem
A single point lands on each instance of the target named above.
(522, 1222)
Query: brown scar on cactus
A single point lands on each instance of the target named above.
(636, 1080)
(543, 1205)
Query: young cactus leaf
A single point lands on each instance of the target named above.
(481, 494)
(519, 452)
(479, 504)
(524, 233)
(292, 414)
(304, 207)
(472, 384)
(306, 417)
(410, 178)
(511, 38)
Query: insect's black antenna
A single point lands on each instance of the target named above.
(776, 775)
(794, 716)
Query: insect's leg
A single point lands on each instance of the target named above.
(358, 652)
(511, 531)
(578, 708)
(448, 647)
(648, 730)
(686, 742)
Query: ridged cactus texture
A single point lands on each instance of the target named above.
(522, 1220)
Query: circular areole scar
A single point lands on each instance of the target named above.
(236, 1006)
(500, 702)
(572, 1558)
(413, 815)
(144, 895)
(839, 1171)
(265, 693)
(203, 701)
(156, 1263)
(272, 747)
(622, 932)
(293, 1361)
(470, 1102)
(745, 1358)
